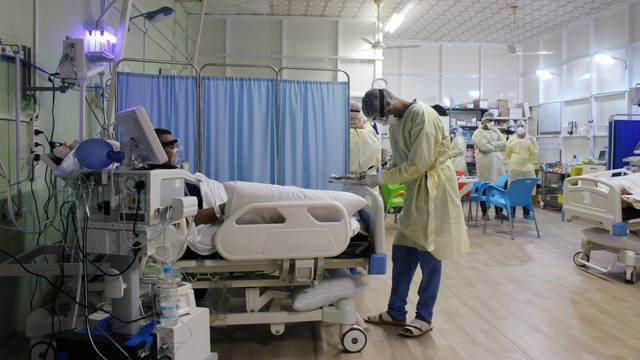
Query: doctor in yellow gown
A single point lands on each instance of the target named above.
(432, 226)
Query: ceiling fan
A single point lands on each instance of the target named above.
(513, 48)
(377, 44)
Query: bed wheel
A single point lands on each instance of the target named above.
(277, 329)
(354, 339)
(580, 256)
(631, 278)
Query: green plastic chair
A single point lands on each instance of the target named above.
(393, 197)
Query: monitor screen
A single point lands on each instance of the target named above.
(138, 135)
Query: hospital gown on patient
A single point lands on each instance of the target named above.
(213, 194)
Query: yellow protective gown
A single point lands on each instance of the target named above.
(459, 154)
(364, 150)
(432, 217)
(489, 144)
(522, 154)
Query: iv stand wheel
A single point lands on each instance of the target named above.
(631, 277)
(354, 339)
(580, 256)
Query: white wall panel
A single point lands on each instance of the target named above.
(552, 43)
(212, 41)
(500, 88)
(350, 42)
(459, 88)
(635, 22)
(422, 60)
(576, 111)
(551, 88)
(494, 62)
(313, 38)
(361, 75)
(578, 40)
(423, 88)
(577, 80)
(255, 36)
(607, 106)
(392, 61)
(311, 75)
(530, 89)
(530, 63)
(611, 77)
(611, 30)
(461, 60)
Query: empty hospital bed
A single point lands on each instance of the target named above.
(608, 201)
(267, 273)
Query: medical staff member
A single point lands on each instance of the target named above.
(458, 150)
(489, 142)
(522, 154)
(365, 151)
(432, 227)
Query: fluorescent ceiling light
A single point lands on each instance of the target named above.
(604, 59)
(398, 18)
(544, 74)
(544, 52)
(586, 76)
(474, 93)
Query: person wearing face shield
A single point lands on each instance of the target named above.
(432, 226)
(489, 144)
(458, 150)
(365, 152)
(522, 154)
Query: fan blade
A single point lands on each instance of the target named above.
(501, 54)
(539, 53)
(367, 41)
(402, 47)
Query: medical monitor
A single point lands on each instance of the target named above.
(139, 137)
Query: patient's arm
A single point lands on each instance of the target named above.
(207, 216)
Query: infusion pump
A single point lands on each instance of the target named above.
(130, 206)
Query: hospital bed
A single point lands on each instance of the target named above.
(262, 269)
(598, 199)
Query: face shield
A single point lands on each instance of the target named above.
(377, 105)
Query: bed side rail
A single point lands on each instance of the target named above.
(373, 215)
(594, 198)
(300, 234)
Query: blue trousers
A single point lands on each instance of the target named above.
(405, 262)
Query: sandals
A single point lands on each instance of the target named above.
(384, 319)
(415, 328)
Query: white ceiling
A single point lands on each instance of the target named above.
(488, 21)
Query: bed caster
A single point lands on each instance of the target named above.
(277, 329)
(631, 277)
(580, 256)
(354, 339)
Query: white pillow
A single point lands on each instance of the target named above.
(342, 285)
(241, 194)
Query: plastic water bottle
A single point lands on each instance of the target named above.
(168, 301)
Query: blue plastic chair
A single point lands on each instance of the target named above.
(518, 194)
(480, 194)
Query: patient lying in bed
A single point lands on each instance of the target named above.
(235, 195)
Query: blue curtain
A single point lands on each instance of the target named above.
(239, 129)
(169, 101)
(313, 133)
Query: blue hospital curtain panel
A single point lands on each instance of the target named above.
(169, 100)
(313, 132)
(239, 128)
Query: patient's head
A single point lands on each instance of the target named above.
(168, 144)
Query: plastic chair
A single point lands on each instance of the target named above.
(393, 197)
(518, 194)
(480, 195)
